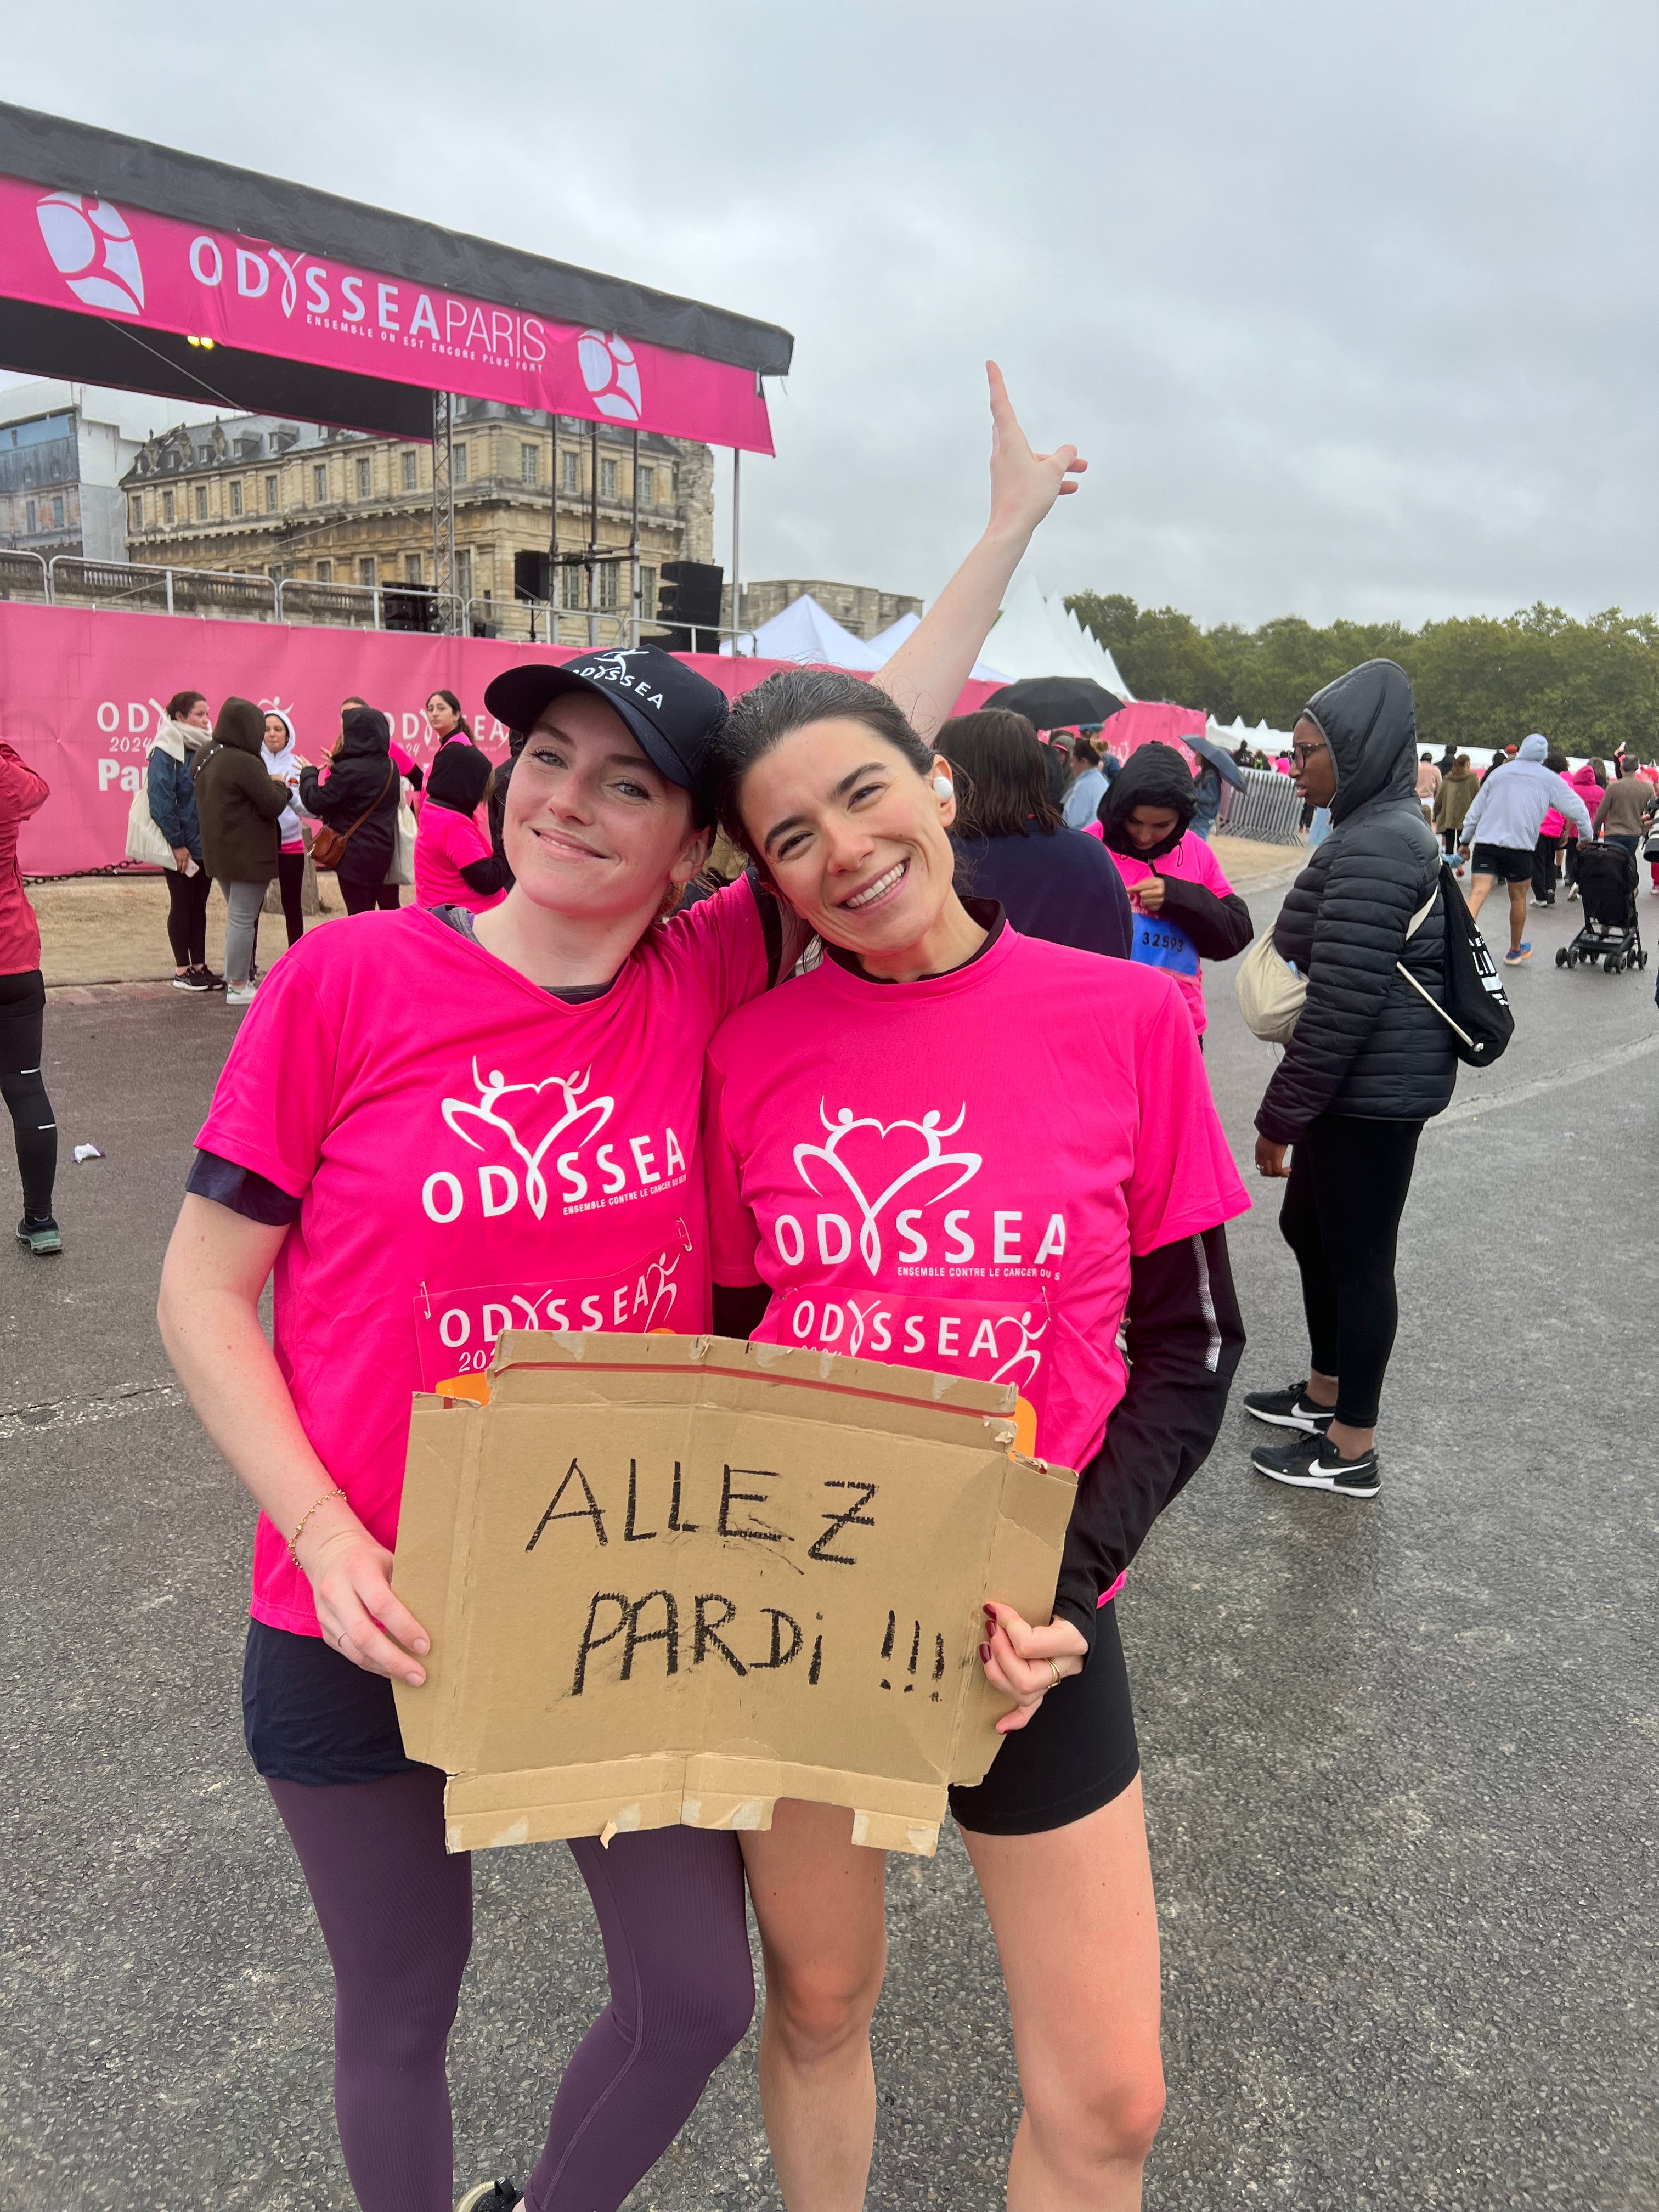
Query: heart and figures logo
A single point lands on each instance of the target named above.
(876, 1163)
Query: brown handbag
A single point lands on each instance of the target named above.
(328, 845)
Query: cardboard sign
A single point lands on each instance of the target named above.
(673, 1578)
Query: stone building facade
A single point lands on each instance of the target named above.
(858, 607)
(265, 496)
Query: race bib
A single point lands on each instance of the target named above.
(456, 1330)
(1159, 943)
(993, 1340)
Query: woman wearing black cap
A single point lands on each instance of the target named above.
(400, 1177)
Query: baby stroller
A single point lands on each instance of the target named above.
(1607, 889)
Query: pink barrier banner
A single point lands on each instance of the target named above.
(1148, 721)
(72, 250)
(83, 692)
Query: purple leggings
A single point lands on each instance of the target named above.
(396, 1912)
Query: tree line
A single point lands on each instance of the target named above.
(1480, 682)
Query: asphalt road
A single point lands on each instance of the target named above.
(1399, 1758)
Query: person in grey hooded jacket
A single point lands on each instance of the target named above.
(1501, 828)
(1370, 1061)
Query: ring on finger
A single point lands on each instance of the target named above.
(1054, 1672)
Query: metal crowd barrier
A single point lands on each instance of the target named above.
(1269, 808)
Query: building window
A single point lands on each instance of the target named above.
(236, 498)
(365, 478)
(412, 567)
(32, 515)
(168, 514)
(530, 458)
(575, 591)
(608, 473)
(135, 514)
(646, 478)
(366, 569)
(609, 575)
(570, 471)
(271, 494)
(324, 572)
(411, 473)
(58, 514)
(457, 465)
(648, 593)
(201, 502)
(320, 482)
(464, 573)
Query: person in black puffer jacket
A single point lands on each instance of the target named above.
(361, 787)
(1370, 1061)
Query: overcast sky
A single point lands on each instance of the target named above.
(1352, 308)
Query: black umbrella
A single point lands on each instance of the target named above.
(1057, 702)
(1219, 757)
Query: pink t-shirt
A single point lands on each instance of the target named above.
(1158, 941)
(472, 1154)
(952, 1174)
(445, 843)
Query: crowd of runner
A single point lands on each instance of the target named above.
(912, 891)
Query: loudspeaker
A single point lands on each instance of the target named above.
(532, 576)
(412, 607)
(689, 594)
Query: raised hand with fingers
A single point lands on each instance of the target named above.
(1024, 484)
(1027, 1662)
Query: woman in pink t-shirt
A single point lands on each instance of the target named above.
(960, 1149)
(429, 1121)
(1185, 908)
(455, 864)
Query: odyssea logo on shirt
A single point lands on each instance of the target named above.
(895, 1177)
(536, 1121)
(93, 249)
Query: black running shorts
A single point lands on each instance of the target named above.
(1511, 864)
(1076, 1753)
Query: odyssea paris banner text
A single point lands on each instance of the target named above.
(83, 692)
(72, 250)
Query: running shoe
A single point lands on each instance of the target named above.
(241, 995)
(1289, 1409)
(193, 979)
(39, 1235)
(491, 2197)
(1309, 1463)
(1518, 958)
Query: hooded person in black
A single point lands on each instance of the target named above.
(457, 781)
(360, 801)
(1156, 777)
(1370, 1061)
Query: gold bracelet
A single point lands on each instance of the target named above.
(327, 1497)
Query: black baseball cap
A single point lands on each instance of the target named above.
(674, 713)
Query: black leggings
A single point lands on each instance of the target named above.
(22, 1019)
(363, 898)
(291, 875)
(1349, 1178)
(187, 904)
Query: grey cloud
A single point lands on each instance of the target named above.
(1349, 308)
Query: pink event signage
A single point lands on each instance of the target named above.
(82, 692)
(69, 250)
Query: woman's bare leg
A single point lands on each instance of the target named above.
(821, 1903)
(1075, 1924)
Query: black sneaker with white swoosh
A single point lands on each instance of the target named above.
(1311, 1463)
(1291, 1408)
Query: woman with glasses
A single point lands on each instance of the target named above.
(1369, 1061)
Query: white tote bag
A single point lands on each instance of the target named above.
(144, 841)
(1270, 992)
(401, 869)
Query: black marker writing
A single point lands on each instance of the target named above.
(630, 1534)
(728, 1495)
(588, 1512)
(855, 1518)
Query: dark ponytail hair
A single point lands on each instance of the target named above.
(787, 702)
(454, 704)
(181, 703)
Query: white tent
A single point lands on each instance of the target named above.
(1037, 636)
(804, 633)
(890, 639)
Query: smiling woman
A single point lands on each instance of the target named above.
(1084, 1193)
